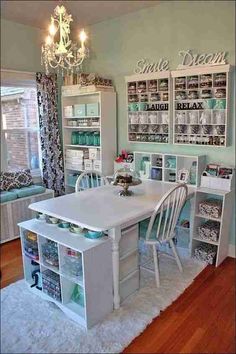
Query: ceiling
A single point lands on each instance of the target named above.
(37, 13)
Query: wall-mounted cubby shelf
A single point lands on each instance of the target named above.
(200, 106)
(75, 272)
(148, 106)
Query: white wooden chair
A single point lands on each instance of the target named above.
(90, 179)
(165, 217)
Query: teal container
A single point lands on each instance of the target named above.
(89, 138)
(92, 109)
(133, 107)
(74, 138)
(142, 106)
(81, 138)
(96, 139)
(209, 104)
(220, 104)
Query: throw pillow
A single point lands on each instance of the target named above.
(1, 182)
(23, 178)
(9, 180)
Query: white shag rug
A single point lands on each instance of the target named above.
(32, 325)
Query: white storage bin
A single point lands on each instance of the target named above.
(74, 159)
(97, 166)
(129, 285)
(88, 164)
(128, 264)
(217, 183)
(74, 153)
(75, 166)
(94, 154)
(68, 111)
(129, 239)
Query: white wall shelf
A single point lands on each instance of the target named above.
(102, 122)
(148, 102)
(206, 123)
(94, 282)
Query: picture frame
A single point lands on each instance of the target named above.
(183, 175)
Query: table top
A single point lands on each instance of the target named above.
(102, 208)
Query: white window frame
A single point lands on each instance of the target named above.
(11, 78)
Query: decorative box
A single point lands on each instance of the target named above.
(93, 109)
(88, 164)
(205, 253)
(74, 153)
(80, 110)
(97, 165)
(68, 111)
(94, 154)
(211, 208)
(210, 230)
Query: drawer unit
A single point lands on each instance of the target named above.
(129, 239)
(80, 110)
(128, 264)
(93, 109)
(129, 285)
(74, 153)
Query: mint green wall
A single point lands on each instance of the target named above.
(20, 47)
(160, 32)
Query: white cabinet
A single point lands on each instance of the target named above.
(167, 167)
(76, 272)
(200, 105)
(89, 132)
(148, 107)
(211, 224)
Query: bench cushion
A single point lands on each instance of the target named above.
(7, 196)
(28, 191)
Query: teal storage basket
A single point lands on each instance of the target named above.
(93, 109)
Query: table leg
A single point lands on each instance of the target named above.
(115, 235)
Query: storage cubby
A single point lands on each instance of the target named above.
(168, 167)
(210, 229)
(89, 132)
(200, 106)
(148, 106)
(76, 272)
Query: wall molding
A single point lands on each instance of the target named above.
(232, 251)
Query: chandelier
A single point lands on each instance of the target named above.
(59, 52)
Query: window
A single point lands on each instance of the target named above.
(19, 129)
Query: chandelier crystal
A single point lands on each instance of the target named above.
(59, 52)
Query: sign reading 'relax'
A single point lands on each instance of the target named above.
(190, 59)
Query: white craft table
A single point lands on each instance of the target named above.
(102, 209)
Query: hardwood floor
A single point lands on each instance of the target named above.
(201, 320)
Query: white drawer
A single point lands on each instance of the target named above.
(129, 239)
(129, 285)
(128, 264)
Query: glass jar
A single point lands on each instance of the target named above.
(96, 139)
(88, 138)
(172, 177)
(193, 173)
(81, 138)
(74, 138)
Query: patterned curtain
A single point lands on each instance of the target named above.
(51, 149)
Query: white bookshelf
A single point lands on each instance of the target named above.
(164, 168)
(190, 127)
(95, 280)
(223, 222)
(104, 122)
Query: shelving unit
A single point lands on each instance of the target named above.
(159, 166)
(148, 107)
(102, 121)
(221, 223)
(200, 106)
(83, 293)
